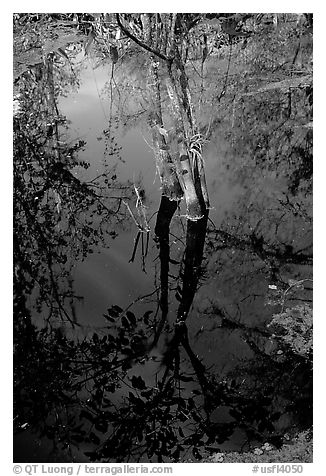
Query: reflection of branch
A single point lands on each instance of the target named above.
(172, 356)
(223, 91)
(55, 292)
(198, 367)
(231, 324)
(139, 42)
(257, 245)
(43, 243)
(140, 298)
(293, 285)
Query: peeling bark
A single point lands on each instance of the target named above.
(170, 184)
(166, 166)
(180, 170)
(203, 185)
(194, 210)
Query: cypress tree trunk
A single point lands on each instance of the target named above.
(195, 210)
(165, 165)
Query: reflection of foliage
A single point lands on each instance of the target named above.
(293, 325)
(93, 398)
(96, 393)
(298, 450)
(36, 38)
(296, 326)
(267, 119)
(57, 217)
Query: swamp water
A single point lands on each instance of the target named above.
(228, 384)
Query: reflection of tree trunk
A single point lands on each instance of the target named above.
(198, 367)
(196, 233)
(52, 107)
(172, 360)
(195, 241)
(162, 231)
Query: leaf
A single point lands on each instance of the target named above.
(172, 261)
(109, 388)
(191, 403)
(235, 414)
(101, 425)
(87, 415)
(108, 318)
(178, 297)
(127, 351)
(183, 378)
(196, 454)
(91, 455)
(95, 338)
(62, 53)
(182, 417)
(176, 454)
(114, 311)
(196, 392)
(135, 400)
(77, 438)
(131, 318)
(146, 316)
(125, 322)
(270, 427)
(147, 393)
(90, 39)
(94, 438)
(272, 286)
(163, 132)
(195, 416)
(138, 382)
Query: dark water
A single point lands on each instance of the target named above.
(108, 276)
(235, 385)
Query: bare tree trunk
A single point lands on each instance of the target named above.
(184, 168)
(53, 141)
(192, 132)
(184, 165)
(166, 166)
(194, 209)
